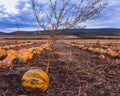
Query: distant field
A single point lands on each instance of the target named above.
(92, 41)
(13, 37)
(39, 37)
(110, 36)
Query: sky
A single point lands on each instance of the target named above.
(13, 12)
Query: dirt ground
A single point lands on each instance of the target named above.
(72, 72)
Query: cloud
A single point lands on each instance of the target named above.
(24, 17)
(109, 18)
(9, 6)
(20, 11)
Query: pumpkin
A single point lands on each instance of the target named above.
(101, 57)
(90, 49)
(12, 52)
(5, 63)
(36, 51)
(30, 56)
(30, 49)
(22, 58)
(35, 81)
(114, 54)
(3, 54)
(5, 47)
(11, 57)
(102, 51)
(109, 51)
(84, 48)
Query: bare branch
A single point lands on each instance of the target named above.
(65, 13)
(40, 22)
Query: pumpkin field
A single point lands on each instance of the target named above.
(79, 67)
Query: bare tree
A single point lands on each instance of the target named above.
(63, 14)
(53, 15)
(17, 29)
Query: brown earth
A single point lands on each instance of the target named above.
(72, 72)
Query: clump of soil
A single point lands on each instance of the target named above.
(72, 72)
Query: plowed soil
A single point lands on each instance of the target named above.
(72, 72)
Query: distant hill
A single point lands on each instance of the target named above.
(77, 32)
(2, 33)
(94, 32)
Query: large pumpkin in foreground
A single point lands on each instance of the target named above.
(35, 81)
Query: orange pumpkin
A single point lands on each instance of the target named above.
(5, 63)
(22, 59)
(30, 56)
(3, 54)
(114, 54)
(101, 57)
(12, 52)
(11, 57)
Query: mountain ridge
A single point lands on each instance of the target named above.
(77, 32)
